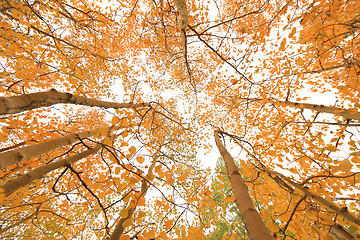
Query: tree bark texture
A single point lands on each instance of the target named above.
(16, 104)
(253, 222)
(183, 12)
(40, 172)
(339, 231)
(18, 155)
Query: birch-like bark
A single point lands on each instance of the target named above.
(184, 18)
(16, 104)
(254, 224)
(346, 113)
(18, 155)
(119, 229)
(40, 172)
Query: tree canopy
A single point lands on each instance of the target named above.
(105, 104)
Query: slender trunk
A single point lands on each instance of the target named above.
(18, 155)
(16, 104)
(341, 211)
(119, 229)
(251, 217)
(183, 12)
(339, 231)
(346, 113)
(40, 172)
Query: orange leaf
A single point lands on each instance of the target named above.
(141, 201)
(283, 44)
(292, 33)
(114, 120)
(345, 165)
(132, 150)
(163, 236)
(124, 237)
(168, 224)
(183, 177)
(2, 195)
(141, 214)
(356, 159)
(140, 159)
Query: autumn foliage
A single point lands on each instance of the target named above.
(105, 104)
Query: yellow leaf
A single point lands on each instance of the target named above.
(140, 159)
(345, 165)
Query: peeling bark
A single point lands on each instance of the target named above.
(253, 222)
(16, 104)
(40, 172)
